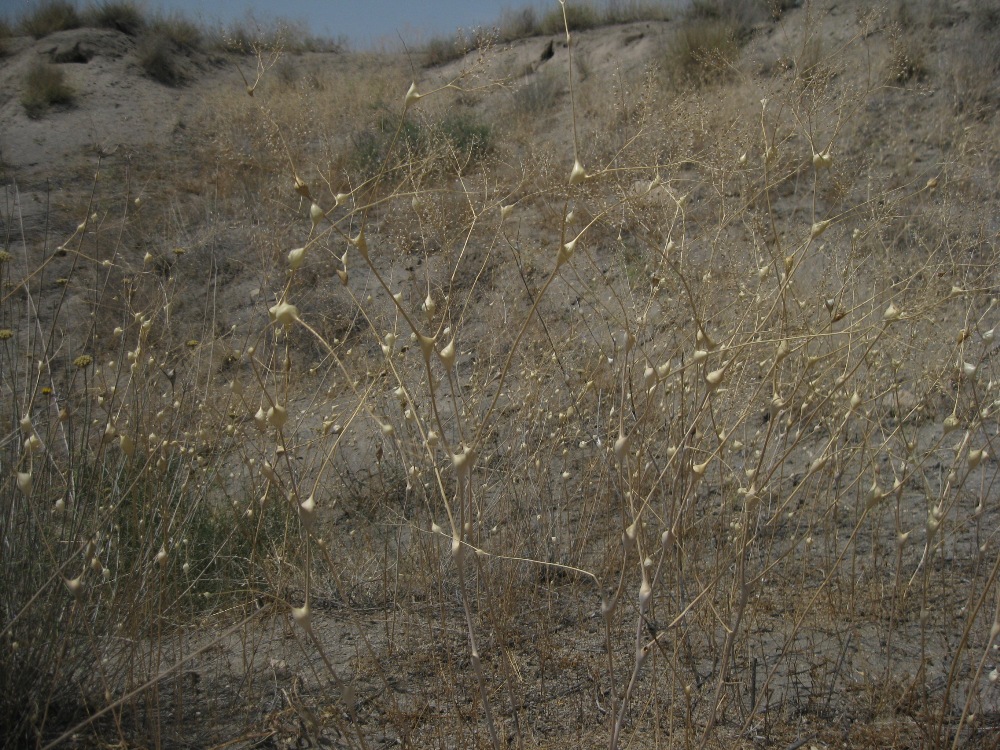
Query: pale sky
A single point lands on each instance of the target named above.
(365, 23)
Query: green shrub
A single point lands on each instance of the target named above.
(158, 59)
(122, 15)
(49, 17)
(44, 87)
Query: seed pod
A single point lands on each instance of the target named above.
(284, 313)
(277, 415)
(565, 252)
(506, 211)
(891, 314)
(75, 586)
(24, 483)
(295, 257)
(645, 594)
(578, 174)
(950, 424)
(307, 512)
(621, 446)
(818, 228)
(127, 444)
(361, 244)
(302, 617)
(316, 214)
(447, 355)
(976, 457)
(32, 444)
(412, 97)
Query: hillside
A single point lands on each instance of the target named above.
(635, 389)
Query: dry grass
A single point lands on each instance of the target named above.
(48, 17)
(45, 87)
(122, 15)
(672, 429)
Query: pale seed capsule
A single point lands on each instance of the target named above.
(284, 313)
(361, 244)
(621, 446)
(260, 419)
(277, 415)
(412, 96)
(506, 211)
(891, 313)
(316, 214)
(127, 444)
(302, 617)
(565, 252)
(307, 512)
(645, 594)
(75, 586)
(24, 483)
(714, 378)
(26, 427)
(578, 174)
(950, 424)
(976, 457)
(818, 228)
(295, 257)
(447, 355)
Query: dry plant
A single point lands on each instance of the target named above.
(684, 439)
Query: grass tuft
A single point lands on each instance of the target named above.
(122, 15)
(49, 17)
(157, 56)
(45, 87)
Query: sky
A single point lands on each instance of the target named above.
(366, 23)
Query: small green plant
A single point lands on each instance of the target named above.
(49, 17)
(44, 87)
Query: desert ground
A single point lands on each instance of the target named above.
(610, 377)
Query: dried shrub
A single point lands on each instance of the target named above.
(44, 87)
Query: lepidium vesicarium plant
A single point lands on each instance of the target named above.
(678, 433)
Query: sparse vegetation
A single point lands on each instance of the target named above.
(701, 50)
(44, 87)
(122, 15)
(667, 419)
(6, 32)
(157, 56)
(48, 17)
